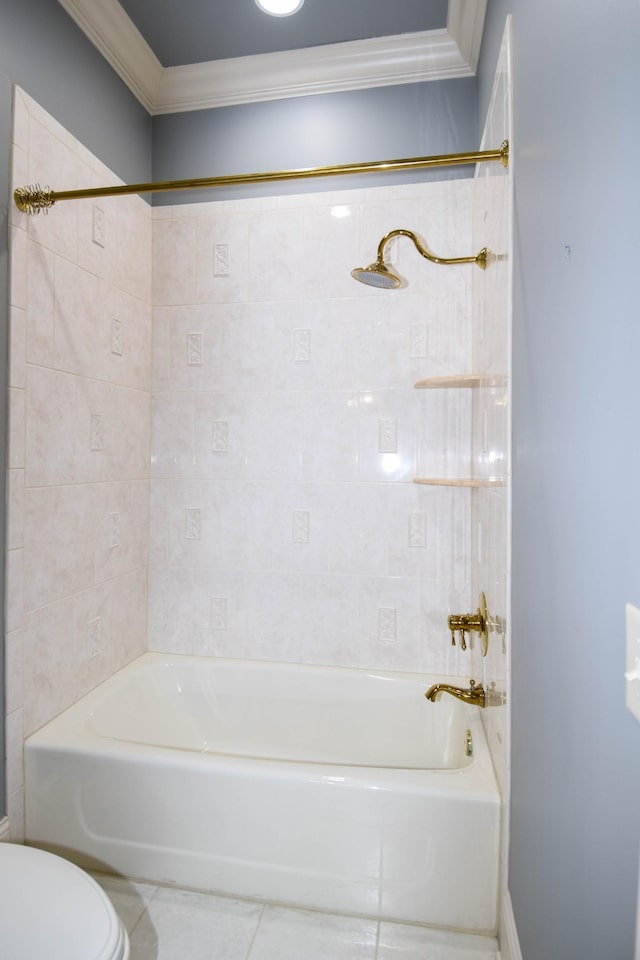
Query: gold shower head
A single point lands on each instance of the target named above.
(379, 274)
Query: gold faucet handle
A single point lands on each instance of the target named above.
(477, 622)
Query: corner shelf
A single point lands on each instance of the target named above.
(458, 482)
(457, 381)
(473, 380)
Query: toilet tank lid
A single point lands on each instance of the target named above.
(51, 908)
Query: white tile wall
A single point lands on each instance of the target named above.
(79, 437)
(296, 399)
(491, 558)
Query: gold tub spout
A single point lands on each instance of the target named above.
(474, 695)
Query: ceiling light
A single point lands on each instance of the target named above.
(280, 8)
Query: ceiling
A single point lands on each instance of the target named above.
(178, 55)
(193, 31)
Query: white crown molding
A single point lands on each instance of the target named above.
(409, 58)
(386, 61)
(465, 23)
(122, 45)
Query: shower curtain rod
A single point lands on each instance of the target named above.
(33, 199)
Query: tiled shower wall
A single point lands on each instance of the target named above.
(78, 488)
(285, 523)
(491, 534)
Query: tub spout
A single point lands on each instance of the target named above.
(474, 695)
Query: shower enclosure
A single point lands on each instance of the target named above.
(215, 432)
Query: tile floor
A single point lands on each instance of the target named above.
(172, 924)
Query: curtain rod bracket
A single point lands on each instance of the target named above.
(34, 199)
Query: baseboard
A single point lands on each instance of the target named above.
(4, 829)
(508, 935)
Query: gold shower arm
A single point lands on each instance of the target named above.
(480, 258)
(33, 199)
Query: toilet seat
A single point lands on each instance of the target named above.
(51, 910)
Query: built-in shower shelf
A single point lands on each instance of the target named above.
(462, 380)
(458, 482)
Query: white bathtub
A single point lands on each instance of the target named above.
(334, 789)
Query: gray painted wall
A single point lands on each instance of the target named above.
(384, 124)
(575, 819)
(43, 51)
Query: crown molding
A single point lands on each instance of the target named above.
(465, 23)
(122, 45)
(332, 68)
(409, 58)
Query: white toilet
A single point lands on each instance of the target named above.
(52, 910)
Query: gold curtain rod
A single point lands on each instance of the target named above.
(33, 199)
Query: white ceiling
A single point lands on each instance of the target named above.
(434, 54)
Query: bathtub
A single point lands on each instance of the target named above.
(325, 788)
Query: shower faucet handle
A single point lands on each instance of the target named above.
(463, 639)
(478, 622)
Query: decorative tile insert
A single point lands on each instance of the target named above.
(387, 624)
(460, 535)
(97, 431)
(417, 530)
(220, 436)
(195, 343)
(116, 336)
(301, 526)
(193, 524)
(419, 341)
(218, 613)
(98, 226)
(302, 346)
(221, 260)
(387, 436)
(485, 431)
(114, 530)
(480, 544)
(94, 638)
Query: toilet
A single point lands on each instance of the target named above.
(52, 910)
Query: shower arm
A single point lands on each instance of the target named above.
(480, 258)
(34, 198)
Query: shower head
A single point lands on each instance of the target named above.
(378, 274)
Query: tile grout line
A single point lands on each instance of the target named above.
(255, 933)
(144, 912)
(377, 947)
